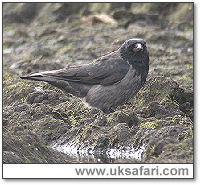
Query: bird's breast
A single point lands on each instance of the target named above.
(131, 80)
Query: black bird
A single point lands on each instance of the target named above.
(108, 81)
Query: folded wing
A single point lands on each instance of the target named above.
(106, 70)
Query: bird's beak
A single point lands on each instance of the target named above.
(138, 47)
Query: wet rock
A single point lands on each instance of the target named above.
(68, 9)
(101, 121)
(126, 5)
(23, 13)
(125, 18)
(126, 116)
(45, 97)
(158, 147)
(11, 158)
(148, 123)
(93, 19)
(158, 110)
(102, 143)
(122, 132)
(156, 89)
(29, 148)
(185, 99)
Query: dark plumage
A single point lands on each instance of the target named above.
(108, 81)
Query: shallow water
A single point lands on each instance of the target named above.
(89, 155)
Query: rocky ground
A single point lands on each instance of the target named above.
(41, 123)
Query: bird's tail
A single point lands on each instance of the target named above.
(47, 76)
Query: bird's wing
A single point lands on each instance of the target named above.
(106, 70)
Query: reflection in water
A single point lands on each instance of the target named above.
(90, 155)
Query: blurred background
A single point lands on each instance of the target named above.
(44, 36)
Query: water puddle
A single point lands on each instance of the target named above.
(90, 155)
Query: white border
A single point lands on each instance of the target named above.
(197, 89)
(118, 170)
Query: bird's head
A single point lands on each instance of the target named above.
(134, 51)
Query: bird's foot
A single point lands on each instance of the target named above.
(107, 110)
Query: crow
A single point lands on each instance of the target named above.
(108, 81)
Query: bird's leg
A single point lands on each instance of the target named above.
(111, 110)
(105, 111)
